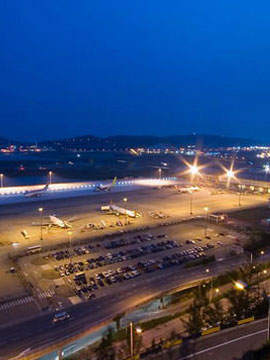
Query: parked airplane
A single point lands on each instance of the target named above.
(106, 187)
(188, 189)
(55, 221)
(36, 193)
(116, 210)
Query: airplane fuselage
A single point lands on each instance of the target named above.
(58, 222)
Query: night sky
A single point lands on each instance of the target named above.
(106, 67)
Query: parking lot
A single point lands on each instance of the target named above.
(91, 269)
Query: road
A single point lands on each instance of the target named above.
(88, 317)
(227, 345)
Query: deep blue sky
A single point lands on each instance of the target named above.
(157, 67)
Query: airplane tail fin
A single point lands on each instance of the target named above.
(114, 181)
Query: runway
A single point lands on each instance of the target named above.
(16, 194)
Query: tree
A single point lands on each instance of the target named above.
(241, 303)
(195, 320)
(244, 302)
(105, 349)
(172, 335)
(213, 314)
(117, 319)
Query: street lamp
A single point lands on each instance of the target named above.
(268, 321)
(240, 285)
(159, 173)
(50, 177)
(240, 193)
(194, 170)
(230, 174)
(125, 202)
(41, 219)
(266, 170)
(70, 239)
(1, 178)
(190, 202)
(138, 331)
(206, 218)
(211, 286)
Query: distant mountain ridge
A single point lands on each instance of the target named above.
(181, 140)
(129, 141)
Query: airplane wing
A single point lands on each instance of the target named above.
(70, 220)
(39, 224)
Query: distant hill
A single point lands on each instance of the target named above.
(5, 142)
(80, 142)
(129, 141)
(199, 141)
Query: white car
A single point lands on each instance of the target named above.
(59, 317)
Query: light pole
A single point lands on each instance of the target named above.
(50, 177)
(206, 218)
(230, 175)
(131, 339)
(1, 178)
(266, 170)
(70, 242)
(240, 193)
(193, 170)
(211, 286)
(159, 173)
(190, 202)
(138, 331)
(41, 220)
(268, 320)
(125, 202)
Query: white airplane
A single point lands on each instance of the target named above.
(116, 210)
(36, 193)
(106, 187)
(55, 221)
(189, 189)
